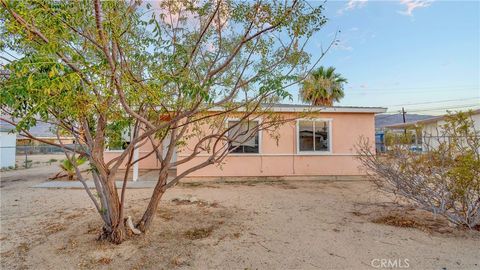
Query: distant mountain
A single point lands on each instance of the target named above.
(42, 129)
(383, 120)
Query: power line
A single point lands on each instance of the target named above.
(464, 106)
(424, 87)
(432, 102)
(400, 91)
(439, 108)
(443, 110)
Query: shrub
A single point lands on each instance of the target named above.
(444, 179)
(27, 163)
(69, 168)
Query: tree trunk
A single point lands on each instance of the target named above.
(146, 221)
(115, 235)
(114, 232)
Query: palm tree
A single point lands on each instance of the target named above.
(68, 167)
(322, 87)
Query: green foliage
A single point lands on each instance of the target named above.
(462, 154)
(407, 137)
(69, 167)
(69, 78)
(323, 87)
(444, 179)
(27, 163)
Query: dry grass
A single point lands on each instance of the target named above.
(104, 260)
(400, 221)
(54, 228)
(23, 248)
(198, 233)
(178, 261)
(260, 182)
(403, 215)
(191, 184)
(423, 221)
(165, 213)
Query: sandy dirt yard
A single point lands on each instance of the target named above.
(234, 225)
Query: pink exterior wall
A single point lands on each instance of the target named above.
(282, 159)
(148, 163)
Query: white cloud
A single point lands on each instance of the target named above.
(343, 46)
(352, 4)
(411, 5)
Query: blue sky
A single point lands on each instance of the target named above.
(405, 52)
(420, 54)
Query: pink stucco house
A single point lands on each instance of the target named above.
(321, 143)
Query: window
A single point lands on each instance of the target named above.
(244, 137)
(314, 136)
(119, 140)
(122, 145)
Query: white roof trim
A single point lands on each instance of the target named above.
(330, 109)
(319, 109)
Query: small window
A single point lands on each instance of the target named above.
(122, 145)
(244, 137)
(313, 136)
(119, 141)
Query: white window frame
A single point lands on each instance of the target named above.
(259, 121)
(330, 137)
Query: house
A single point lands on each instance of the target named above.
(44, 131)
(320, 142)
(14, 144)
(383, 120)
(41, 130)
(428, 131)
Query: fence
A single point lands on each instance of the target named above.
(422, 144)
(27, 155)
(37, 149)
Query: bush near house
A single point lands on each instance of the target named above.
(445, 179)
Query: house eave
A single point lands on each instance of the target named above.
(317, 109)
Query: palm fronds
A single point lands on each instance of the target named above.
(322, 87)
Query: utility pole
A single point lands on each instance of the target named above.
(403, 114)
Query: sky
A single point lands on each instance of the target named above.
(422, 55)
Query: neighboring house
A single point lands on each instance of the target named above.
(42, 131)
(7, 147)
(383, 120)
(429, 129)
(320, 143)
